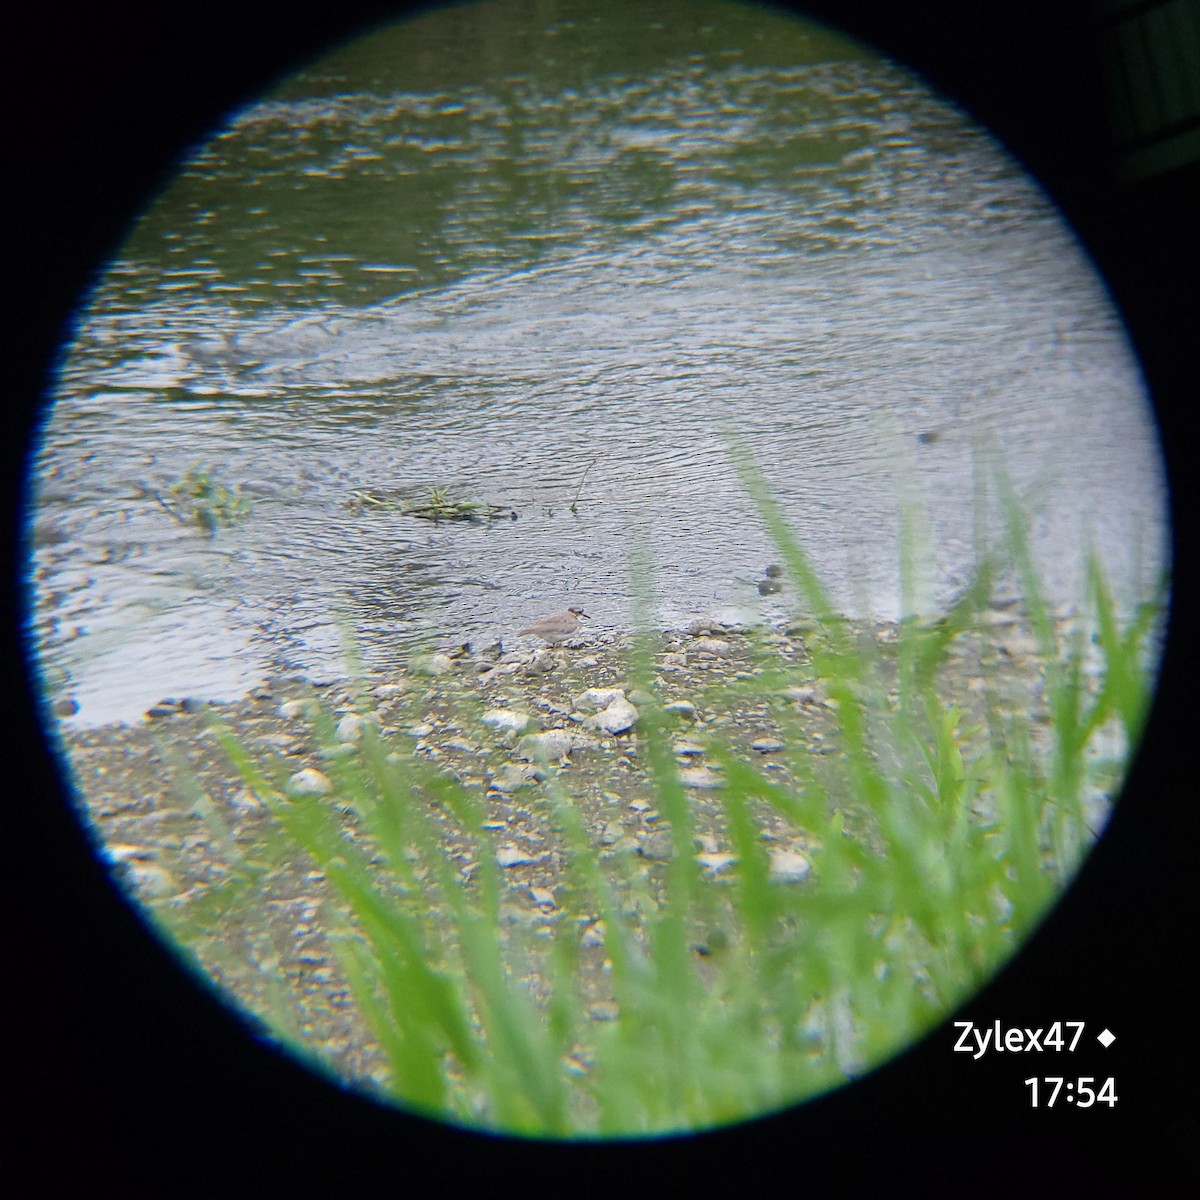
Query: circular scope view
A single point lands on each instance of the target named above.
(597, 567)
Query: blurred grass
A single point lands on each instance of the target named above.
(936, 845)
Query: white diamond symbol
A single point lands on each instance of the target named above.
(1106, 1039)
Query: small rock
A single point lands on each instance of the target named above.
(511, 856)
(658, 846)
(767, 745)
(150, 878)
(66, 706)
(702, 625)
(552, 745)
(787, 866)
(309, 782)
(509, 778)
(708, 647)
(681, 708)
(769, 587)
(604, 1010)
(433, 664)
(640, 698)
(675, 659)
(618, 717)
(542, 897)
(614, 831)
(597, 699)
(701, 778)
(686, 749)
(245, 799)
(506, 720)
(349, 729)
(713, 863)
(291, 709)
(542, 662)
(593, 935)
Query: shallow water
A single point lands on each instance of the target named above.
(561, 271)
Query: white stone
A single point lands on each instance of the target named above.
(597, 699)
(789, 867)
(767, 745)
(716, 862)
(506, 720)
(553, 745)
(349, 729)
(619, 716)
(511, 856)
(701, 778)
(309, 782)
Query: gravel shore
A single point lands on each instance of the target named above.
(200, 851)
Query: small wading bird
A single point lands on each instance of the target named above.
(555, 628)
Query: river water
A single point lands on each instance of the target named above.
(552, 257)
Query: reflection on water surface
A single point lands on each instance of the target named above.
(556, 273)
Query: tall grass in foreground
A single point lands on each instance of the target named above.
(936, 846)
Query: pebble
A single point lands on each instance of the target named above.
(618, 717)
(511, 856)
(509, 778)
(681, 708)
(708, 647)
(593, 935)
(613, 832)
(552, 745)
(506, 720)
(703, 779)
(349, 729)
(658, 846)
(767, 745)
(309, 782)
(542, 662)
(597, 699)
(789, 867)
(713, 863)
(150, 878)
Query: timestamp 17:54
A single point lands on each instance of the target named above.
(1045, 1092)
